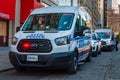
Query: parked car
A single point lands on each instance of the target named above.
(95, 45)
(107, 39)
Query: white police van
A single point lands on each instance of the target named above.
(107, 39)
(95, 44)
(49, 38)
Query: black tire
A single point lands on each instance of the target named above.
(99, 52)
(88, 59)
(73, 68)
(94, 54)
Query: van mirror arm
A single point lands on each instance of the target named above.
(79, 33)
(18, 28)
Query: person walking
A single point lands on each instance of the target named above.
(117, 41)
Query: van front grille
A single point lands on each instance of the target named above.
(35, 46)
(103, 43)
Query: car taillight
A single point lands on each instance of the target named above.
(26, 45)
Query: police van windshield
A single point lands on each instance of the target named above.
(53, 21)
(104, 35)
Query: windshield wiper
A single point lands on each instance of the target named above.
(51, 31)
(28, 31)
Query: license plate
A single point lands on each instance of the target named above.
(32, 58)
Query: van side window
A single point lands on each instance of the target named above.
(78, 26)
(113, 37)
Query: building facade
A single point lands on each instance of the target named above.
(6, 17)
(113, 17)
(92, 6)
(115, 6)
(105, 13)
(48, 2)
(15, 16)
(113, 20)
(110, 6)
(96, 17)
(67, 2)
(87, 5)
(101, 10)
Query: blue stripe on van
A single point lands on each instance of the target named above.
(80, 38)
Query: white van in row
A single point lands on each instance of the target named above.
(51, 38)
(107, 39)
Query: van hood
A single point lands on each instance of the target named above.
(105, 40)
(41, 34)
(94, 41)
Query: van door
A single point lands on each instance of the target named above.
(77, 35)
(82, 41)
(86, 47)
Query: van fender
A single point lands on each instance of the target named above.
(73, 45)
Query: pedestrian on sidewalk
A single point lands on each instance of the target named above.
(117, 41)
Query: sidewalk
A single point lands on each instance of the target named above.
(4, 59)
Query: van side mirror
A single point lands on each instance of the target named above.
(18, 29)
(79, 33)
(99, 39)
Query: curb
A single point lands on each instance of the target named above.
(4, 70)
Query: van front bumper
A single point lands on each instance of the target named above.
(55, 60)
(107, 47)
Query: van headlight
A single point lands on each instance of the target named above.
(14, 40)
(93, 43)
(108, 42)
(62, 40)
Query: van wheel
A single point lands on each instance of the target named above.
(99, 52)
(94, 54)
(73, 68)
(88, 59)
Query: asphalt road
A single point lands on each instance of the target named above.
(103, 67)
